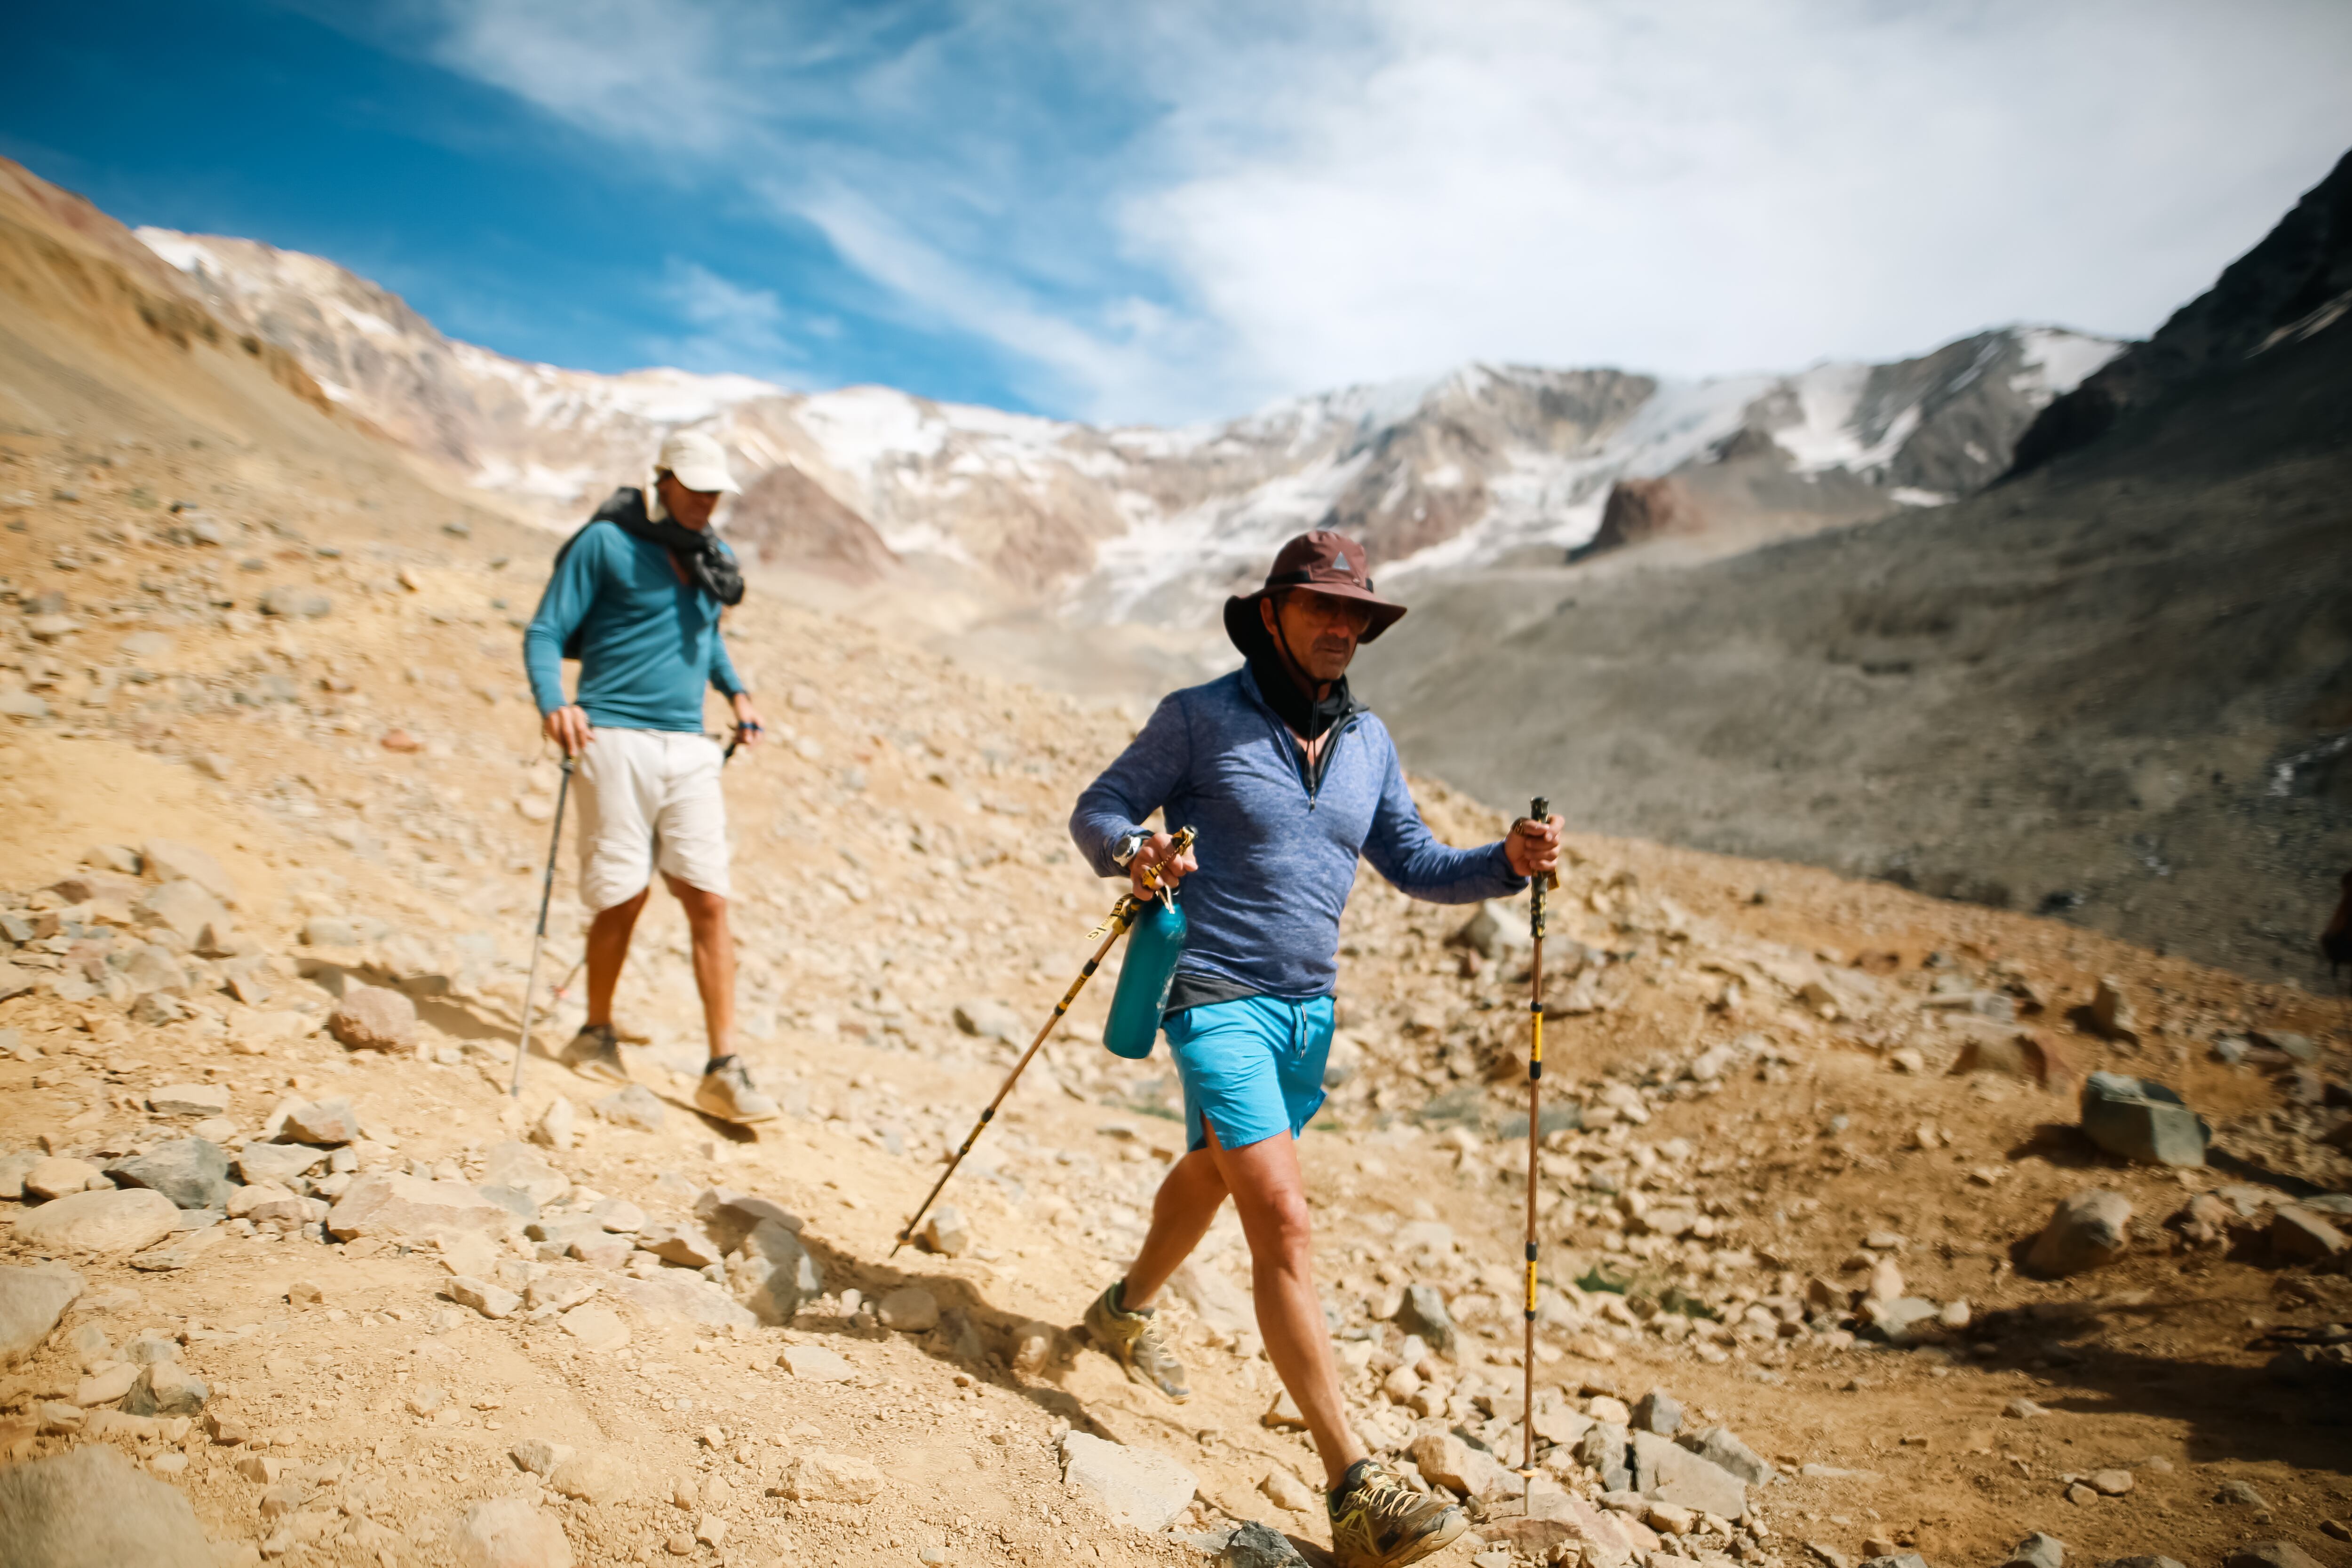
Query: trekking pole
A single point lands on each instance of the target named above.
(1540, 810)
(539, 938)
(1115, 926)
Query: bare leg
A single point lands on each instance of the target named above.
(1182, 1214)
(1271, 1196)
(714, 961)
(608, 947)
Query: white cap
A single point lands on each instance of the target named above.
(697, 461)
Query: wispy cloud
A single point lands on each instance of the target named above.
(731, 327)
(1171, 212)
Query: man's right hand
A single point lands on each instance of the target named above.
(1153, 868)
(568, 728)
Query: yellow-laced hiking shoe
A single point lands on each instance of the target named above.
(1378, 1521)
(1135, 1339)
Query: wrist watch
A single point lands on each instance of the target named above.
(1123, 852)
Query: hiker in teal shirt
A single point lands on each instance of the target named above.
(636, 597)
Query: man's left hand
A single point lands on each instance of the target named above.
(748, 728)
(1532, 846)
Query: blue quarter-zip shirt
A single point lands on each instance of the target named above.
(1277, 850)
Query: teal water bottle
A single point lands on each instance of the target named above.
(1153, 947)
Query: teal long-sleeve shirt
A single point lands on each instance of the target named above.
(648, 642)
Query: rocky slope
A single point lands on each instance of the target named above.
(1134, 524)
(2114, 688)
(286, 1275)
(271, 866)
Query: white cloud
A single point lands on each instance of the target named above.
(733, 328)
(1362, 189)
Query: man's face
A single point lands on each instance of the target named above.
(1320, 630)
(691, 508)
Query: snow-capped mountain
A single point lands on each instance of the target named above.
(1147, 524)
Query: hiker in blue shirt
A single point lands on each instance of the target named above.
(636, 597)
(1288, 781)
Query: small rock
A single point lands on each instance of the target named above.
(326, 1122)
(166, 1388)
(1423, 1311)
(1031, 1344)
(945, 1232)
(122, 1220)
(2299, 1235)
(191, 1172)
(56, 1177)
(1286, 1491)
(189, 1100)
(2081, 1494)
(289, 603)
(169, 861)
(89, 1508)
(2269, 1554)
(687, 1244)
(618, 1215)
(988, 1021)
(2111, 1483)
(2090, 1228)
(817, 1476)
(1659, 1412)
(373, 1018)
(636, 1106)
(2242, 1493)
(1609, 1410)
(1252, 1545)
(2138, 1119)
(328, 930)
(277, 1164)
(911, 1309)
(2038, 1551)
(538, 1456)
(598, 1327)
(381, 1204)
(1667, 1519)
(1139, 1487)
(594, 1478)
(182, 905)
(1669, 1473)
(106, 1385)
(1284, 1415)
(1718, 1446)
(509, 1532)
(814, 1364)
(2111, 1011)
(1494, 933)
(553, 1129)
(2023, 1410)
(490, 1301)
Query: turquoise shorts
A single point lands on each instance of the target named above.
(1250, 1067)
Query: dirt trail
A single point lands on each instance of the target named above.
(1760, 1053)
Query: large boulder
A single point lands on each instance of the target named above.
(124, 1220)
(2138, 1119)
(1139, 1487)
(31, 1301)
(2090, 1228)
(191, 1172)
(88, 1508)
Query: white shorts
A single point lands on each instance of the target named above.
(647, 798)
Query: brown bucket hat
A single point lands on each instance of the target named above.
(1326, 562)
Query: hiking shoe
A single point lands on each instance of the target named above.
(595, 1052)
(1135, 1339)
(727, 1093)
(1378, 1521)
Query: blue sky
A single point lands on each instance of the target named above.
(1157, 213)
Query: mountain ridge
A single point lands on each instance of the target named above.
(1107, 525)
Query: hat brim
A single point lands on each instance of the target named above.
(1241, 609)
(705, 481)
